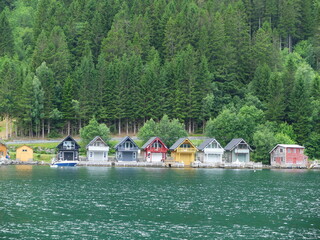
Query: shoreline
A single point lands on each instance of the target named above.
(151, 165)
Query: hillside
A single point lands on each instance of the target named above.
(252, 67)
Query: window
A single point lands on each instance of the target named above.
(213, 145)
(128, 145)
(134, 155)
(301, 151)
(68, 144)
(157, 145)
(289, 150)
(185, 145)
(91, 154)
(242, 146)
(104, 154)
(24, 150)
(119, 155)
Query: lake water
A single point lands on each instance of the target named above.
(39, 202)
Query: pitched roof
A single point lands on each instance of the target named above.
(24, 146)
(151, 140)
(179, 142)
(207, 142)
(3, 143)
(234, 142)
(95, 139)
(287, 146)
(68, 138)
(123, 140)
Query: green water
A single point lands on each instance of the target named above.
(40, 202)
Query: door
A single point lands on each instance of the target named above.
(213, 158)
(294, 160)
(98, 156)
(68, 156)
(156, 157)
(127, 156)
(186, 158)
(242, 157)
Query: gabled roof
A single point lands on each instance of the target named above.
(151, 140)
(287, 146)
(94, 140)
(179, 142)
(234, 143)
(207, 142)
(3, 143)
(125, 139)
(70, 139)
(24, 146)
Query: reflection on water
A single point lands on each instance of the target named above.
(158, 203)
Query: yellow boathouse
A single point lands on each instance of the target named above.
(24, 153)
(3, 150)
(183, 151)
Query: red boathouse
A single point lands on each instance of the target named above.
(288, 155)
(154, 150)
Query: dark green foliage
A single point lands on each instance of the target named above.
(126, 62)
(168, 130)
(6, 37)
(92, 130)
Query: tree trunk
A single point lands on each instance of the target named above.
(119, 126)
(190, 126)
(127, 126)
(31, 132)
(48, 127)
(134, 127)
(290, 43)
(42, 128)
(203, 125)
(68, 127)
(7, 126)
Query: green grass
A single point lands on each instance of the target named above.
(43, 157)
(37, 145)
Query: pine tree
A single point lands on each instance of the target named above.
(275, 98)
(300, 110)
(6, 37)
(260, 82)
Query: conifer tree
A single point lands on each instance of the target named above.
(6, 37)
(275, 98)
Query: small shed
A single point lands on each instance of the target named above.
(184, 151)
(97, 150)
(127, 150)
(154, 150)
(24, 153)
(288, 155)
(210, 151)
(68, 149)
(237, 150)
(3, 150)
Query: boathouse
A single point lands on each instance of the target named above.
(237, 150)
(24, 153)
(288, 155)
(154, 150)
(68, 149)
(183, 151)
(97, 150)
(3, 150)
(127, 150)
(210, 151)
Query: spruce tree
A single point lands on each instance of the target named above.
(6, 37)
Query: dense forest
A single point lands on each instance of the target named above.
(230, 68)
